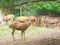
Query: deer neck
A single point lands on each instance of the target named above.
(28, 24)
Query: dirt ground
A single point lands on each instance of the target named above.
(52, 37)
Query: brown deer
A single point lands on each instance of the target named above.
(20, 26)
(8, 17)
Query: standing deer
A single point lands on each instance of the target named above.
(43, 21)
(24, 19)
(20, 26)
(8, 18)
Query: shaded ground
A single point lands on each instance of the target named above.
(50, 37)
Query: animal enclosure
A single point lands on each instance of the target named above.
(29, 22)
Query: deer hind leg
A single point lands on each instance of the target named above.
(56, 24)
(44, 24)
(13, 34)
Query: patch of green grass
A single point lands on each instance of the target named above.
(5, 30)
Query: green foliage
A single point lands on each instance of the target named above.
(7, 3)
(52, 6)
(30, 31)
(47, 5)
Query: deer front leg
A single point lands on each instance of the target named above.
(22, 35)
(6, 22)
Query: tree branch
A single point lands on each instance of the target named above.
(27, 3)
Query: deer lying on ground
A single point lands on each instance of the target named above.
(46, 20)
(53, 21)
